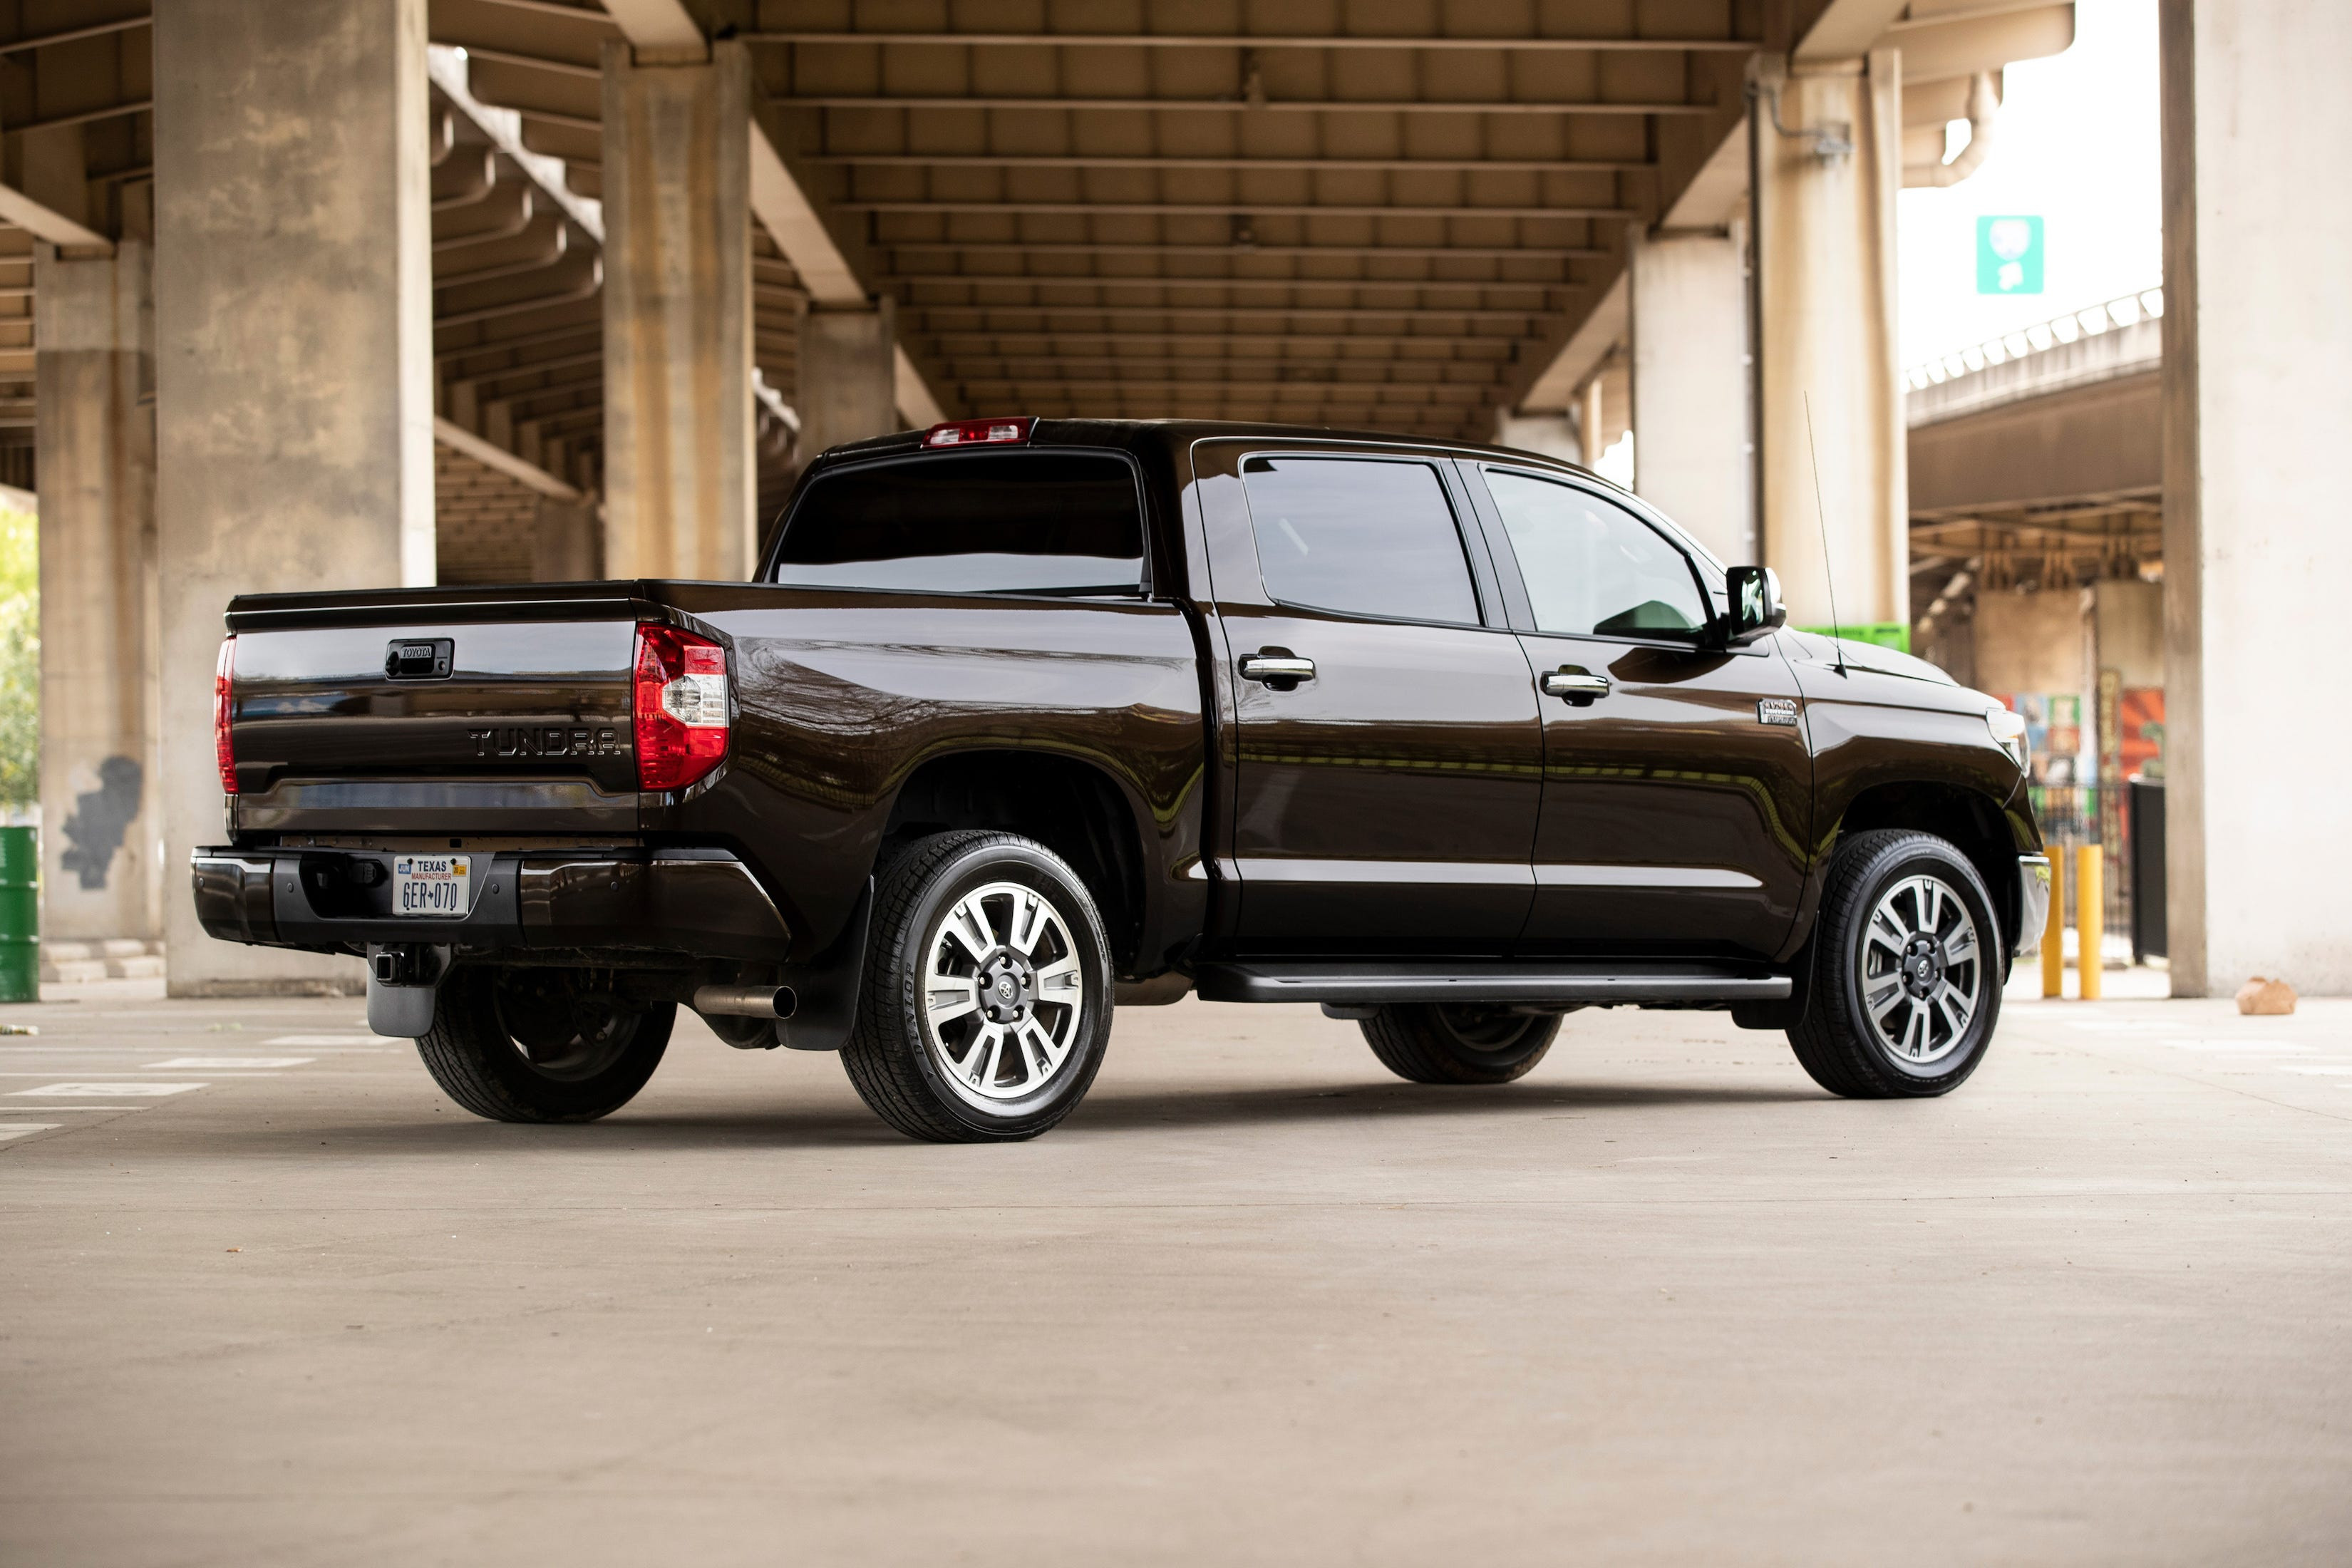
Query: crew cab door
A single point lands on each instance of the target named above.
(1390, 754)
(1677, 783)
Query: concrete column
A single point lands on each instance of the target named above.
(1550, 434)
(681, 482)
(1826, 330)
(293, 365)
(846, 370)
(101, 858)
(1694, 456)
(2257, 330)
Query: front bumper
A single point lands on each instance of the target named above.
(2033, 904)
(700, 903)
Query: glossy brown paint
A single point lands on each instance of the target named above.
(1418, 796)
(1385, 804)
(841, 696)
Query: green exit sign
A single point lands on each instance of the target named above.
(2009, 255)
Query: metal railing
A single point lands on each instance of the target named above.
(2074, 326)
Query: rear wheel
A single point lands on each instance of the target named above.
(542, 1045)
(1431, 1043)
(1906, 970)
(987, 997)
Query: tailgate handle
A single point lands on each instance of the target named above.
(419, 658)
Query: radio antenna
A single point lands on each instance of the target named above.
(1820, 517)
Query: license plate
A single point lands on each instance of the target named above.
(438, 885)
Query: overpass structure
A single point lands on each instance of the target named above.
(2037, 459)
(342, 292)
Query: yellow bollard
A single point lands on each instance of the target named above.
(2090, 916)
(2053, 932)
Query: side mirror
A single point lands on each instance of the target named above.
(1756, 607)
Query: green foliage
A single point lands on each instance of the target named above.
(20, 658)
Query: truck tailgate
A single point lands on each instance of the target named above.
(436, 710)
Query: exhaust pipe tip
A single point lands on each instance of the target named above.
(745, 1001)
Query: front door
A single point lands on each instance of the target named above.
(1389, 752)
(1677, 782)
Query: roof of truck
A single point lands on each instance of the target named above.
(1182, 432)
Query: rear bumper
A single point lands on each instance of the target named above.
(2033, 904)
(698, 903)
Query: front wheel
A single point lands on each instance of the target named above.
(542, 1045)
(1434, 1043)
(1906, 970)
(987, 997)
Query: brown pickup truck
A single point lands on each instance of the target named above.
(1023, 720)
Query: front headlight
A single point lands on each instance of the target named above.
(2007, 732)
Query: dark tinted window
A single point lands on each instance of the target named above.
(1592, 567)
(989, 523)
(1360, 536)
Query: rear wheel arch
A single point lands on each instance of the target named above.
(1077, 808)
(1971, 822)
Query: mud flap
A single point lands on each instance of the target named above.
(827, 986)
(404, 988)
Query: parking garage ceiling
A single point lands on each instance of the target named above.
(1390, 213)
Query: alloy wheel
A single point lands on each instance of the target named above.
(1922, 971)
(1003, 995)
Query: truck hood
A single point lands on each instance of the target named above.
(1810, 648)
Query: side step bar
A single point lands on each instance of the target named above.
(1369, 985)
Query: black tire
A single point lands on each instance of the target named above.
(537, 1044)
(1426, 1043)
(1840, 1041)
(943, 1076)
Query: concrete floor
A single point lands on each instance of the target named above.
(1662, 1302)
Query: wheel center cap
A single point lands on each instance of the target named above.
(1923, 966)
(1006, 989)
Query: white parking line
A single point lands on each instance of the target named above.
(25, 1128)
(229, 1064)
(102, 1091)
(370, 1039)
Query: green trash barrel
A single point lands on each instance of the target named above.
(20, 915)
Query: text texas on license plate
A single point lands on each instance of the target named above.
(432, 884)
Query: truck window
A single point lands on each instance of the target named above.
(1592, 567)
(1362, 536)
(985, 522)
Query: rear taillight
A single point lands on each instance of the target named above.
(679, 704)
(223, 748)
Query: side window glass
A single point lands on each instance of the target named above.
(1592, 567)
(1361, 536)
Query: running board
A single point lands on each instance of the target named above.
(1368, 984)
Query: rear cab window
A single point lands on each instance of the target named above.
(1029, 522)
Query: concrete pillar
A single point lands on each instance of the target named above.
(845, 365)
(680, 479)
(101, 857)
(293, 365)
(1550, 434)
(567, 541)
(1826, 331)
(1694, 456)
(2257, 330)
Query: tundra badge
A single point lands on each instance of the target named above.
(1776, 710)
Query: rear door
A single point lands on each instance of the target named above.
(1389, 752)
(1678, 783)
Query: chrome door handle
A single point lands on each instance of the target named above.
(1576, 685)
(1271, 667)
